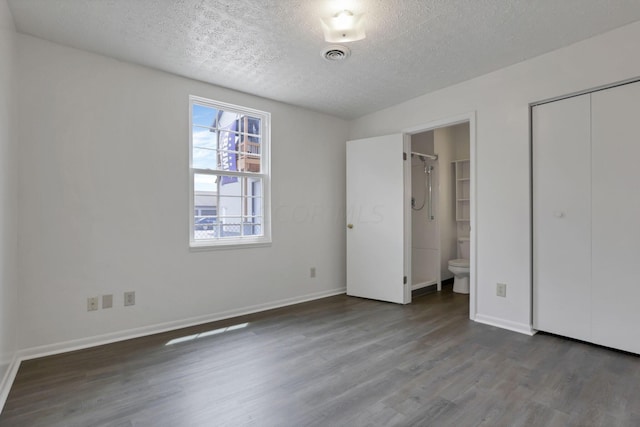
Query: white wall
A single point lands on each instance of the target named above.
(445, 148)
(460, 136)
(501, 102)
(8, 194)
(104, 201)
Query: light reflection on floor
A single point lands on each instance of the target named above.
(206, 334)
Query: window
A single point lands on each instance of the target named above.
(229, 172)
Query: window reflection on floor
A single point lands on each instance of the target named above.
(206, 334)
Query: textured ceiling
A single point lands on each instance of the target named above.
(272, 48)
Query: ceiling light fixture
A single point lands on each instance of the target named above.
(343, 27)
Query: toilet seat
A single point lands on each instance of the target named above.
(460, 262)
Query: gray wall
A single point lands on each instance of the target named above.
(105, 205)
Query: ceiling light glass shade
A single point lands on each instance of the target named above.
(343, 27)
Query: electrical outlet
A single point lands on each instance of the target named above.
(92, 303)
(501, 290)
(312, 272)
(107, 301)
(129, 298)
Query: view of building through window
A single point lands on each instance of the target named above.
(229, 172)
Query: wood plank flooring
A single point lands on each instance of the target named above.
(339, 361)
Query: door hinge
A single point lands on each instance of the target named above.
(405, 280)
(404, 156)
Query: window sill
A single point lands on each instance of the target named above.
(200, 246)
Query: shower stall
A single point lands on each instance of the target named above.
(425, 239)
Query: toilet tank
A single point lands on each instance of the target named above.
(464, 246)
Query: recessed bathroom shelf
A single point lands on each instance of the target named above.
(463, 189)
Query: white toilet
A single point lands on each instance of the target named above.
(460, 267)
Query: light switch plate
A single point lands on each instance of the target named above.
(107, 301)
(501, 290)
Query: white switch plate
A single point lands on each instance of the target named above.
(92, 303)
(312, 272)
(501, 290)
(107, 301)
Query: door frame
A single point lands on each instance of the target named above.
(473, 235)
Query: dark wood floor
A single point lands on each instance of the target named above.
(337, 361)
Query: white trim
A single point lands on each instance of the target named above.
(406, 170)
(67, 346)
(586, 91)
(521, 328)
(473, 195)
(452, 121)
(440, 123)
(423, 284)
(205, 246)
(7, 380)
(82, 343)
(226, 106)
(265, 175)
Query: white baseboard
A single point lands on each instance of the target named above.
(423, 284)
(505, 324)
(7, 380)
(79, 344)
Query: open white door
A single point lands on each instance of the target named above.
(378, 244)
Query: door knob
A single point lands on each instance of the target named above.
(349, 225)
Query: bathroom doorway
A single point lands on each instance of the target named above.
(443, 206)
(379, 214)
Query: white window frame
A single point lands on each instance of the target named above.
(265, 175)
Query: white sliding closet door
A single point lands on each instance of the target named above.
(616, 217)
(562, 217)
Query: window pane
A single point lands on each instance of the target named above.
(253, 187)
(228, 121)
(205, 219)
(204, 116)
(254, 207)
(228, 149)
(249, 145)
(204, 158)
(205, 155)
(249, 159)
(205, 183)
(227, 205)
(230, 207)
(204, 138)
(230, 186)
(231, 212)
(236, 146)
(252, 229)
(205, 228)
(230, 227)
(250, 125)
